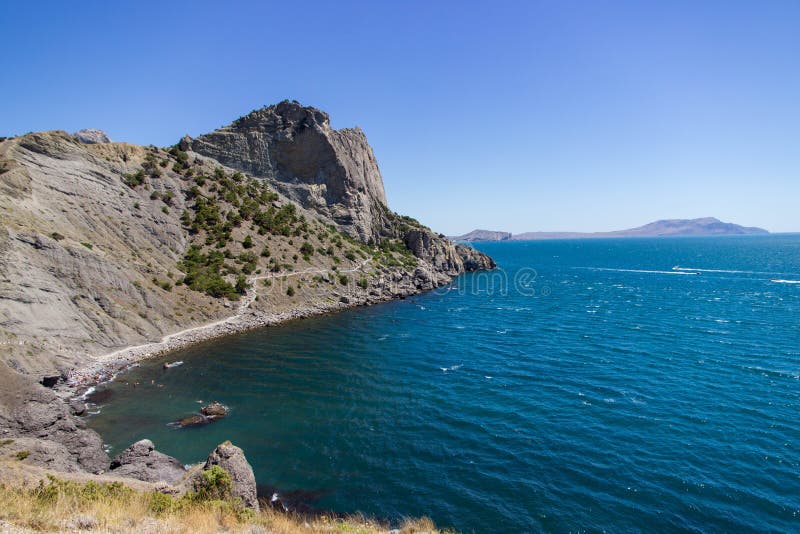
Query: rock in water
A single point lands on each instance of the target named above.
(142, 462)
(193, 420)
(214, 411)
(231, 458)
(91, 136)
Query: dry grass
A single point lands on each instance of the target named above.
(57, 506)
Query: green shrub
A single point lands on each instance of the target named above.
(248, 242)
(57, 236)
(203, 272)
(307, 249)
(343, 279)
(290, 291)
(132, 180)
(161, 504)
(88, 245)
(21, 455)
(241, 284)
(215, 484)
(363, 283)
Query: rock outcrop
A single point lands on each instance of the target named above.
(231, 458)
(443, 255)
(90, 136)
(332, 172)
(142, 462)
(39, 423)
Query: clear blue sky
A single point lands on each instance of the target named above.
(520, 116)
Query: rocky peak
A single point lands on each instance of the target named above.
(91, 136)
(331, 172)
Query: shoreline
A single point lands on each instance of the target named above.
(106, 367)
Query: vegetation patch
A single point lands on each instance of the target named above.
(57, 505)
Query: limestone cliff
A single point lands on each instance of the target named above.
(332, 172)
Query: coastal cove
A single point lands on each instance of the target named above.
(605, 384)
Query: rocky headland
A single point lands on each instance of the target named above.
(113, 252)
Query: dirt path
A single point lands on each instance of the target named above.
(105, 365)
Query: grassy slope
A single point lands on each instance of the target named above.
(30, 501)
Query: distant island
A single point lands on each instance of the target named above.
(706, 226)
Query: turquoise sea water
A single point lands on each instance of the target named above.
(585, 385)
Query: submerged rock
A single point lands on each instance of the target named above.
(142, 462)
(193, 420)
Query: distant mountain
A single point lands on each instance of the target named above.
(483, 235)
(665, 228)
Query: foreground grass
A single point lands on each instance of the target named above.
(58, 505)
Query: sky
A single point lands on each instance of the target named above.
(560, 115)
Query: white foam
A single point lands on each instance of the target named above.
(638, 271)
(728, 271)
(785, 281)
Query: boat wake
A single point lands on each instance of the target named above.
(673, 271)
(678, 268)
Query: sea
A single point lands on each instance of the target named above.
(620, 385)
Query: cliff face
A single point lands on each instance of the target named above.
(332, 172)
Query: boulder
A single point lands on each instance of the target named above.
(50, 381)
(142, 462)
(231, 458)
